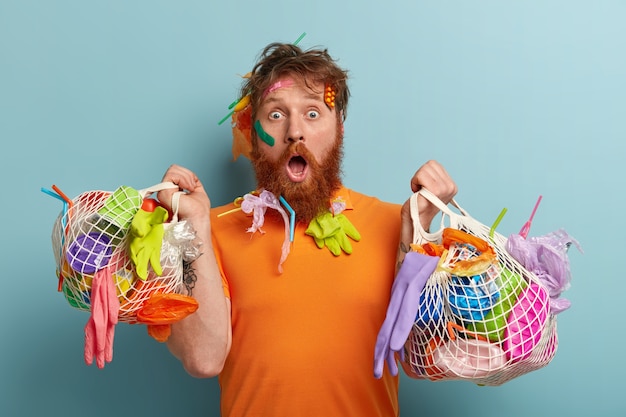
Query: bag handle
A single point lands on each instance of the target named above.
(419, 234)
(164, 186)
(175, 204)
(156, 188)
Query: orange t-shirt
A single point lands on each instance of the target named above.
(303, 341)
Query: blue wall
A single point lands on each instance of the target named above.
(515, 98)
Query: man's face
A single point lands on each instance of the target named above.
(303, 164)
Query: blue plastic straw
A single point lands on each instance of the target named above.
(65, 208)
(52, 194)
(292, 217)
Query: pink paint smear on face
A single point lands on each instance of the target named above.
(288, 82)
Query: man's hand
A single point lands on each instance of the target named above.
(194, 204)
(435, 179)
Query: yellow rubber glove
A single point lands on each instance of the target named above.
(146, 239)
(333, 232)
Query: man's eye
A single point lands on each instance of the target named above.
(275, 115)
(313, 114)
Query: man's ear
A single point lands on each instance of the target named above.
(341, 122)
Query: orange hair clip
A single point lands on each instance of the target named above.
(329, 96)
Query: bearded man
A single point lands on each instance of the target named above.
(295, 279)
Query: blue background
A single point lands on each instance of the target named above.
(516, 98)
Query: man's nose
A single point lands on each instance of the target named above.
(295, 132)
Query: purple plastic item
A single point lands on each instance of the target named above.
(89, 253)
(546, 257)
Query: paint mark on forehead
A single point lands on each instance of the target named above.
(282, 83)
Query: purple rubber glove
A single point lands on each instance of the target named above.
(402, 310)
(100, 327)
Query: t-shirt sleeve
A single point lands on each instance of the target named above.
(218, 258)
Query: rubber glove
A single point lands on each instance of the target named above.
(163, 309)
(333, 232)
(146, 239)
(402, 310)
(100, 328)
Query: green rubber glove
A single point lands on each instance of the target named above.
(146, 239)
(333, 232)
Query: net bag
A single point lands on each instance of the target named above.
(482, 316)
(140, 245)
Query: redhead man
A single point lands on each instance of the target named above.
(290, 307)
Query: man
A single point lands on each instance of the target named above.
(290, 328)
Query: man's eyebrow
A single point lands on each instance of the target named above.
(316, 96)
(271, 100)
(309, 96)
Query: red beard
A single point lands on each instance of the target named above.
(310, 197)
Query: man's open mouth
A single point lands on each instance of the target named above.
(297, 168)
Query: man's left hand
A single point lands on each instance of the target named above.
(432, 176)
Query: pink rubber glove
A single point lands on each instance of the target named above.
(402, 310)
(100, 328)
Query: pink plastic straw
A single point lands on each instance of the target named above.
(526, 228)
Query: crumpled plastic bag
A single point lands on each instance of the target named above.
(546, 257)
(179, 240)
(472, 297)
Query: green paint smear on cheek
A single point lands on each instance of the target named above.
(263, 135)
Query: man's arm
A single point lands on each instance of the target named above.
(202, 340)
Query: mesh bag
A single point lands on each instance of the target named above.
(94, 231)
(482, 316)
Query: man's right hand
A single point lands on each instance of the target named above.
(194, 204)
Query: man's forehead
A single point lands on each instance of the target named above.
(312, 87)
(281, 83)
